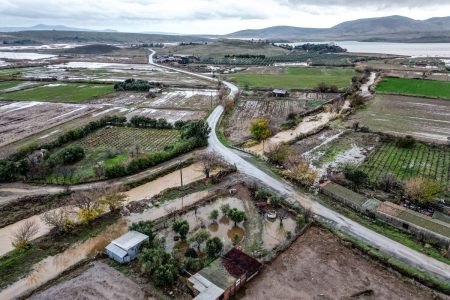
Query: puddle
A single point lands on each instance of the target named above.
(53, 266)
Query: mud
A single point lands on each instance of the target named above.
(319, 266)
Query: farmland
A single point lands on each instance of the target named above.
(262, 106)
(421, 160)
(316, 262)
(425, 119)
(61, 92)
(415, 87)
(296, 78)
(112, 145)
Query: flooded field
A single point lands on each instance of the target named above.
(21, 119)
(24, 56)
(425, 119)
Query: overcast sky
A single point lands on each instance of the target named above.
(207, 16)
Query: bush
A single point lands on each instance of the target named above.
(198, 130)
(213, 247)
(278, 154)
(262, 194)
(8, 171)
(69, 155)
(406, 142)
(190, 252)
(325, 88)
(355, 175)
(388, 181)
(422, 190)
(114, 171)
(135, 85)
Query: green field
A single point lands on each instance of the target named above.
(8, 84)
(421, 160)
(296, 78)
(60, 92)
(415, 87)
(112, 145)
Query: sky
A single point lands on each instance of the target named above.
(207, 16)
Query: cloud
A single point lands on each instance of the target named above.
(359, 3)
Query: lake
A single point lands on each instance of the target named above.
(410, 49)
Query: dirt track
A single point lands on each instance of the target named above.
(318, 266)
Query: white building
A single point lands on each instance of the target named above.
(126, 248)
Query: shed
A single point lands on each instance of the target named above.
(280, 93)
(126, 248)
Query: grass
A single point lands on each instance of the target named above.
(111, 145)
(385, 229)
(296, 78)
(8, 84)
(415, 87)
(420, 160)
(18, 263)
(65, 93)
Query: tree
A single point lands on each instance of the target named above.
(278, 153)
(213, 247)
(214, 215)
(196, 129)
(199, 236)
(275, 200)
(236, 216)
(58, 219)
(209, 161)
(406, 142)
(88, 205)
(260, 130)
(225, 208)
(422, 190)
(355, 175)
(166, 275)
(160, 265)
(8, 171)
(145, 227)
(181, 227)
(300, 171)
(24, 234)
(113, 198)
(387, 181)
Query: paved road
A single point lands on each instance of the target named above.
(340, 222)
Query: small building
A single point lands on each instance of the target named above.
(126, 248)
(224, 276)
(280, 93)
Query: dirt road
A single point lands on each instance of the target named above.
(318, 266)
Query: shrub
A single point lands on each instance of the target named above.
(196, 129)
(8, 171)
(406, 142)
(114, 171)
(260, 129)
(278, 154)
(236, 216)
(213, 247)
(136, 85)
(355, 175)
(181, 227)
(388, 181)
(422, 190)
(190, 252)
(225, 208)
(69, 155)
(262, 194)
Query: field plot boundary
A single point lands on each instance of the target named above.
(422, 88)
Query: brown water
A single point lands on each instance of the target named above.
(148, 190)
(53, 266)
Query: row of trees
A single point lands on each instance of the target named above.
(135, 85)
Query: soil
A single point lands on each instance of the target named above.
(319, 266)
(98, 282)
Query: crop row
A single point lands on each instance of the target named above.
(420, 160)
(121, 138)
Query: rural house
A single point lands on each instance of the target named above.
(279, 93)
(224, 276)
(126, 248)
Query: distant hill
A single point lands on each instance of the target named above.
(40, 27)
(391, 28)
(276, 32)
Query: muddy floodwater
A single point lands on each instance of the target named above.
(53, 266)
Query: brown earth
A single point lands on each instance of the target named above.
(319, 266)
(98, 282)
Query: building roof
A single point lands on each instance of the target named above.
(116, 250)
(207, 289)
(129, 240)
(237, 263)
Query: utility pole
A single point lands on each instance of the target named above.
(181, 173)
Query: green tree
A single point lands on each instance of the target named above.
(236, 216)
(145, 227)
(213, 247)
(225, 208)
(160, 265)
(260, 130)
(200, 236)
(214, 215)
(196, 129)
(8, 171)
(181, 227)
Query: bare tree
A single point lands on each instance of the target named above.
(282, 214)
(88, 204)
(24, 234)
(113, 197)
(209, 162)
(58, 219)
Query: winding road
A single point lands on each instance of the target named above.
(386, 245)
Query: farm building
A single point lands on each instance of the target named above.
(126, 248)
(279, 93)
(224, 276)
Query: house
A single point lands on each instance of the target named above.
(280, 93)
(126, 248)
(224, 276)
